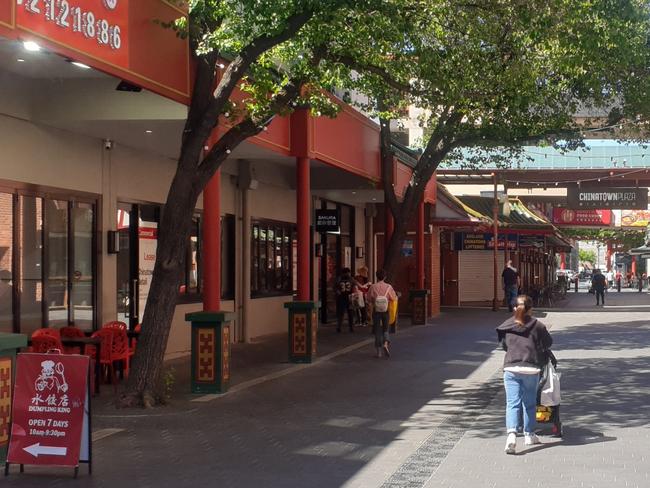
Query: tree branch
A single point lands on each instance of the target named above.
(208, 118)
(248, 127)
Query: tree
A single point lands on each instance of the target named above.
(496, 74)
(587, 256)
(272, 50)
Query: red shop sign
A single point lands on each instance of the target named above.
(50, 410)
(567, 216)
(98, 28)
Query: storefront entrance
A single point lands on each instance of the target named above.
(337, 254)
(48, 264)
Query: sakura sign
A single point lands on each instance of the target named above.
(48, 409)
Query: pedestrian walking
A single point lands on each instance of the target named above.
(343, 290)
(379, 296)
(619, 277)
(526, 342)
(639, 282)
(360, 295)
(599, 283)
(511, 283)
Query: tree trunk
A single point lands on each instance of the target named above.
(143, 385)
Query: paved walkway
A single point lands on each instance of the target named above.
(431, 416)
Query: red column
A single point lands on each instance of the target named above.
(562, 260)
(633, 266)
(303, 207)
(609, 256)
(212, 244)
(419, 251)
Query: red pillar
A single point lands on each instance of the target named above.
(609, 256)
(419, 256)
(633, 266)
(212, 244)
(303, 206)
(562, 260)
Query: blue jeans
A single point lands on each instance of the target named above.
(511, 296)
(380, 328)
(521, 393)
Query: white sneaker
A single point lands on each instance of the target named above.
(511, 443)
(531, 439)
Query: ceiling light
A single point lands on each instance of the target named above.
(31, 46)
(354, 192)
(149, 131)
(20, 60)
(80, 65)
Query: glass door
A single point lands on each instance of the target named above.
(137, 226)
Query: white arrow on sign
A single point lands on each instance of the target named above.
(36, 450)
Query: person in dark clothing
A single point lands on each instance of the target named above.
(343, 290)
(526, 342)
(599, 284)
(619, 278)
(510, 278)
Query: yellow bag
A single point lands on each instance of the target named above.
(392, 312)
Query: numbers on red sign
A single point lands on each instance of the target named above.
(83, 22)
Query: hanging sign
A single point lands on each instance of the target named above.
(50, 410)
(147, 246)
(327, 220)
(604, 197)
(635, 218)
(592, 217)
(483, 242)
(527, 240)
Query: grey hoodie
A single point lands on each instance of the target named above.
(525, 345)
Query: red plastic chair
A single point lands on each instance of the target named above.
(120, 350)
(134, 340)
(47, 332)
(106, 346)
(72, 332)
(43, 343)
(115, 324)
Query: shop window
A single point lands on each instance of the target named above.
(6, 260)
(47, 263)
(272, 258)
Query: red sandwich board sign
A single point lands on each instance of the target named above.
(50, 424)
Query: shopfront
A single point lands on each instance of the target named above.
(48, 259)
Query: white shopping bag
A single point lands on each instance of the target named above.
(550, 396)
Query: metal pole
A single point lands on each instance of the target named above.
(495, 230)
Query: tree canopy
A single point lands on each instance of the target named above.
(497, 74)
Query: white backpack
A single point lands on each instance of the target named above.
(381, 302)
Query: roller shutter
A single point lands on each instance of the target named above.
(475, 270)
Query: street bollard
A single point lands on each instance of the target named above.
(210, 351)
(9, 344)
(418, 306)
(303, 328)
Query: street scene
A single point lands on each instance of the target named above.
(333, 243)
(432, 416)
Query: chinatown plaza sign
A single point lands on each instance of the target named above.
(603, 198)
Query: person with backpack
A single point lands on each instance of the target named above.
(527, 343)
(345, 286)
(379, 296)
(599, 283)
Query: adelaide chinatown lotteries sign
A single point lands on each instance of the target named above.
(602, 197)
